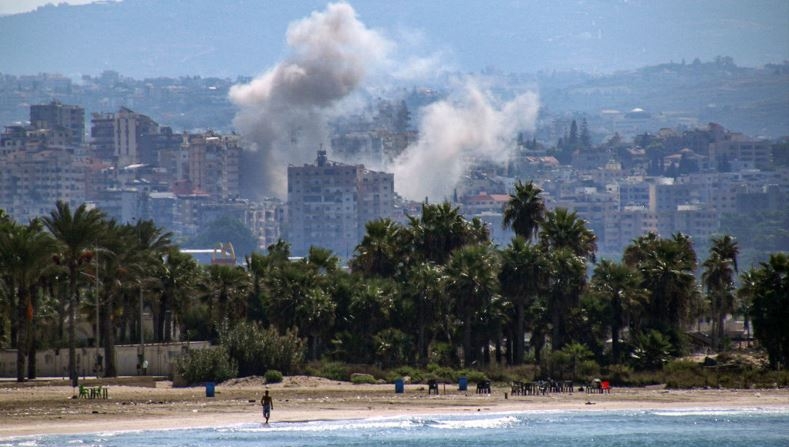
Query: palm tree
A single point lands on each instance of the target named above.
(76, 233)
(152, 245)
(770, 308)
(720, 269)
(620, 287)
(117, 266)
(440, 230)
(567, 279)
(667, 269)
(472, 282)
(423, 289)
(224, 290)
(525, 210)
(564, 229)
(25, 254)
(178, 279)
(379, 252)
(523, 276)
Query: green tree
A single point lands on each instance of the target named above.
(25, 254)
(380, 252)
(224, 291)
(770, 308)
(667, 269)
(227, 229)
(525, 210)
(720, 270)
(440, 230)
(77, 234)
(424, 291)
(174, 283)
(567, 278)
(472, 283)
(564, 229)
(619, 287)
(523, 277)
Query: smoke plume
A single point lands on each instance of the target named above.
(283, 111)
(470, 125)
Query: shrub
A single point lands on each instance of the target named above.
(443, 354)
(442, 374)
(685, 374)
(472, 375)
(406, 371)
(392, 347)
(206, 365)
(257, 350)
(273, 376)
(330, 370)
(651, 350)
(359, 379)
(619, 374)
(587, 368)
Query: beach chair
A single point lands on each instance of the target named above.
(432, 387)
(83, 392)
(605, 387)
(483, 387)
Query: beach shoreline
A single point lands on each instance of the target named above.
(51, 410)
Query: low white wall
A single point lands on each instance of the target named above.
(161, 359)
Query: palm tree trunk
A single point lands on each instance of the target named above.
(519, 331)
(31, 335)
(108, 336)
(468, 354)
(21, 337)
(72, 328)
(616, 328)
(556, 330)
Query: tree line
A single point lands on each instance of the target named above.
(432, 290)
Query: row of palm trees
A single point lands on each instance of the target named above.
(417, 292)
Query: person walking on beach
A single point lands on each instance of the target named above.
(268, 405)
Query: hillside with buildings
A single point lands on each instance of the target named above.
(690, 180)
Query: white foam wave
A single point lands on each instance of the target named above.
(394, 423)
(719, 411)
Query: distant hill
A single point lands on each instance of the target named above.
(146, 38)
(754, 101)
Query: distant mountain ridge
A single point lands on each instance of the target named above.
(147, 38)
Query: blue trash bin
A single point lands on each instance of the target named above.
(463, 384)
(209, 389)
(399, 386)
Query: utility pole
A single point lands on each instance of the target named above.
(98, 331)
(143, 366)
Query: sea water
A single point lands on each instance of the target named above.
(701, 427)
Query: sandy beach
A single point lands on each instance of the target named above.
(47, 407)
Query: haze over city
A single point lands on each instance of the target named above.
(354, 210)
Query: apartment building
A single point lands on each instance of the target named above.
(120, 136)
(31, 182)
(213, 164)
(329, 204)
(56, 115)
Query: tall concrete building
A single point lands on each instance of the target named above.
(329, 204)
(56, 115)
(213, 164)
(121, 136)
(31, 182)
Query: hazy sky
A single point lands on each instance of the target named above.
(245, 37)
(17, 6)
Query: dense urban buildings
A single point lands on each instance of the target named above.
(329, 204)
(667, 180)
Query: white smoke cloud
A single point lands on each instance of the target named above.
(469, 125)
(283, 111)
